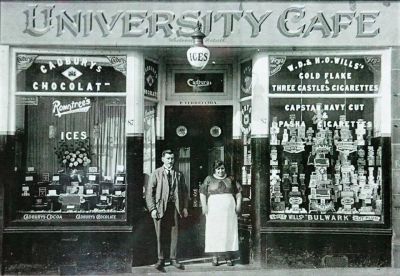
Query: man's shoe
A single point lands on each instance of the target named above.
(160, 266)
(177, 264)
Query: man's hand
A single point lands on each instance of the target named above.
(205, 209)
(154, 214)
(185, 212)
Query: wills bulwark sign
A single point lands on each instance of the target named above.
(172, 23)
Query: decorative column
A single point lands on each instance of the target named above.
(395, 84)
(4, 152)
(259, 143)
(134, 130)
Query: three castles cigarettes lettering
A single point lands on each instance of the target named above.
(324, 74)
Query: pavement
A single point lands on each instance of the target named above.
(251, 270)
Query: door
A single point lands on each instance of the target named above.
(199, 135)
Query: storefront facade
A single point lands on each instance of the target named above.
(299, 99)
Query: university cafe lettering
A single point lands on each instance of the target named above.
(291, 22)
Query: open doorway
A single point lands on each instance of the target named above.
(199, 135)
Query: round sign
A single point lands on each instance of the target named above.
(181, 131)
(215, 131)
(198, 56)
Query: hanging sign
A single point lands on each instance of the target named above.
(150, 79)
(245, 78)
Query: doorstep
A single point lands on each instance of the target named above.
(194, 265)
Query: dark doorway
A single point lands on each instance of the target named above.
(199, 135)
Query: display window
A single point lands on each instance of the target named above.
(325, 149)
(70, 138)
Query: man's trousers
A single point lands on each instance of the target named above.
(167, 232)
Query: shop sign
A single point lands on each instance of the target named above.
(71, 107)
(65, 73)
(27, 100)
(326, 217)
(198, 56)
(324, 74)
(150, 79)
(245, 78)
(199, 83)
(148, 23)
(194, 102)
(70, 217)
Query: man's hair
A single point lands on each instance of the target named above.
(167, 151)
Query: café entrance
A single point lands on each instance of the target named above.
(199, 135)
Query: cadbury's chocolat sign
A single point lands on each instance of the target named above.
(69, 73)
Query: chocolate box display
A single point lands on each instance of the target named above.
(73, 192)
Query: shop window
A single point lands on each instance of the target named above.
(326, 150)
(70, 141)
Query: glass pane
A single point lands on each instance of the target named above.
(71, 158)
(325, 161)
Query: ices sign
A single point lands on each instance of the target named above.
(198, 57)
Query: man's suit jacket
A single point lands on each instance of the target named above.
(157, 191)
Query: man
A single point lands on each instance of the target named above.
(166, 199)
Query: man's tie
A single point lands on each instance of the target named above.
(169, 177)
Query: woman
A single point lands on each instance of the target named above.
(220, 199)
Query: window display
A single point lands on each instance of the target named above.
(70, 149)
(325, 152)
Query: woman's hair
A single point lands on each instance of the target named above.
(217, 164)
